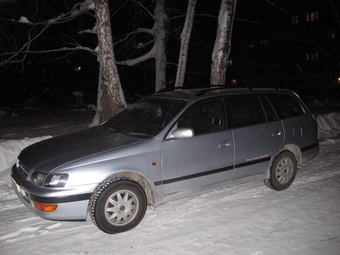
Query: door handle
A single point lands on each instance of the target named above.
(277, 133)
(224, 144)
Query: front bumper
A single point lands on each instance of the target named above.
(72, 203)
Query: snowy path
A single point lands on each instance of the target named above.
(245, 219)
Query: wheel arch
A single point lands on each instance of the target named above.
(142, 181)
(293, 148)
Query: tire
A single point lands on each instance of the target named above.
(283, 171)
(117, 205)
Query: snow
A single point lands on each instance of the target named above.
(245, 219)
(328, 125)
(23, 19)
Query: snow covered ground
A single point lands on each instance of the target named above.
(246, 219)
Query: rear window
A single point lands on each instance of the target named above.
(286, 106)
(246, 110)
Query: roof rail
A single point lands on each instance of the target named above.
(204, 91)
(170, 89)
(216, 87)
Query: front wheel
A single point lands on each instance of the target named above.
(283, 170)
(118, 205)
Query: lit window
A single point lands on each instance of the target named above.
(295, 20)
(230, 62)
(264, 42)
(312, 56)
(339, 80)
(77, 68)
(312, 16)
(331, 34)
(252, 45)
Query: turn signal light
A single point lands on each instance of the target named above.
(45, 207)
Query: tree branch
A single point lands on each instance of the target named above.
(77, 10)
(135, 61)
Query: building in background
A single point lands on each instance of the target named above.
(292, 44)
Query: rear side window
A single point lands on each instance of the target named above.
(271, 115)
(246, 110)
(286, 106)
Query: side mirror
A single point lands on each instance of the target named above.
(181, 133)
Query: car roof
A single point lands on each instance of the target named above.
(186, 94)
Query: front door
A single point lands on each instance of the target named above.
(206, 158)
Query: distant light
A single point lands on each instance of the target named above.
(338, 79)
(77, 68)
(234, 82)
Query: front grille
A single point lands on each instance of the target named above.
(21, 169)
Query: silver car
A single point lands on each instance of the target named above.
(164, 147)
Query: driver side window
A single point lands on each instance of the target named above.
(204, 118)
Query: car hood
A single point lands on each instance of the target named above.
(51, 153)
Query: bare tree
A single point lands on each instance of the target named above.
(111, 99)
(158, 32)
(222, 45)
(185, 38)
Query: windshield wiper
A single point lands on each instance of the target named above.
(137, 134)
(110, 129)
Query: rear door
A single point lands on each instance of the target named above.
(258, 133)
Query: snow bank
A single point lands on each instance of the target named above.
(328, 125)
(10, 149)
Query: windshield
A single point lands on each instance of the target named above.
(146, 117)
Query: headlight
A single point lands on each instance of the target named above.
(56, 180)
(49, 180)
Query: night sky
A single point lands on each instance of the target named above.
(267, 51)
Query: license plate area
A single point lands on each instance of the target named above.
(20, 191)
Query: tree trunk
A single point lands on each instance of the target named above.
(222, 45)
(110, 99)
(160, 37)
(185, 38)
